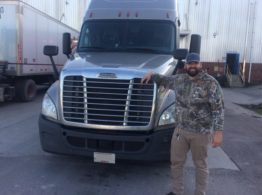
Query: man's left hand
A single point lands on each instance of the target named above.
(217, 139)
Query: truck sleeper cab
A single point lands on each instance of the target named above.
(99, 107)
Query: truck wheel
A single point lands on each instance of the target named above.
(25, 90)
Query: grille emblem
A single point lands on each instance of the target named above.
(107, 75)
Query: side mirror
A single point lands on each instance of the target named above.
(50, 50)
(180, 54)
(195, 43)
(67, 44)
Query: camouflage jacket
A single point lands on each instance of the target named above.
(199, 102)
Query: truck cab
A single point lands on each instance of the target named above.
(98, 107)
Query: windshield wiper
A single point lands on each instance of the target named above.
(143, 49)
(93, 48)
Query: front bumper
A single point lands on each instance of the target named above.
(148, 146)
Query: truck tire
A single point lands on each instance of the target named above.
(25, 90)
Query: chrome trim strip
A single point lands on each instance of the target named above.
(128, 99)
(85, 102)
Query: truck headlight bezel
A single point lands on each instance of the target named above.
(167, 117)
(49, 108)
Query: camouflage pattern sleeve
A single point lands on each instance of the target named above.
(166, 81)
(216, 101)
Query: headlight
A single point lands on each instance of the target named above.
(48, 108)
(167, 116)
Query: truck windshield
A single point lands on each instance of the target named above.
(128, 36)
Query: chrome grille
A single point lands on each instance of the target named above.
(107, 101)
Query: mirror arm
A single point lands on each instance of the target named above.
(56, 74)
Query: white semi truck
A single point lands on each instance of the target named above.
(24, 31)
(98, 107)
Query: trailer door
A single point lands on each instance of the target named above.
(8, 33)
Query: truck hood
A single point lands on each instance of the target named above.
(104, 62)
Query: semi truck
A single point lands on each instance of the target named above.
(24, 31)
(98, 107)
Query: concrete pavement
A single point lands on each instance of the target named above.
(243, 96)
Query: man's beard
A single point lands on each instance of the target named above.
(192, 72)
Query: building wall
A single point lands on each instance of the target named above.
(70, 12)
(225, 26)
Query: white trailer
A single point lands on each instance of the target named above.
(24, 31)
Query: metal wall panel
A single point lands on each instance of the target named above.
(225, 26)
(255, 53)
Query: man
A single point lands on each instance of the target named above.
(199, 117)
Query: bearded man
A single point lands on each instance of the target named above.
(199, 116)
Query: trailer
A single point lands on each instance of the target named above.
(24, 31)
